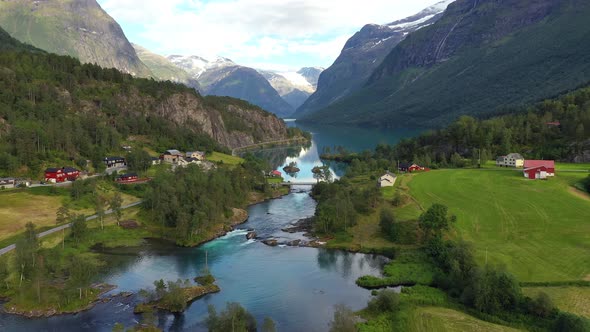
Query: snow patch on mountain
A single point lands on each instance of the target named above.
(296, 79)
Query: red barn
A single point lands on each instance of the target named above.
(55, 175)
(539, 169)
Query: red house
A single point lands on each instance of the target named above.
(58, 175)
(276, 173)
(538, 169)
(54, 175)
(71, 173)
(407, 167)
(128, 178)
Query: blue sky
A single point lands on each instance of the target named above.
(270, 34)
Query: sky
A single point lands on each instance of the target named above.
(281, 35)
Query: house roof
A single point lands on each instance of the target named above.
(515, 156)
(52, 170)
(70, 169)
(276, 172)
(173, 152)
(539, 163)
(389, 173)
(114, 158)
(405, 165)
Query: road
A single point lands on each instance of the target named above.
(62, 227)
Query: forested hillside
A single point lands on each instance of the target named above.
(481, 56)
(554, 129)
(53, 108)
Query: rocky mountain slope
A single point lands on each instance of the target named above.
(78, 28)
(222, 77)
(163, 69)
(480, 57)
(362, 54)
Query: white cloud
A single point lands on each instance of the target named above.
(254, 31)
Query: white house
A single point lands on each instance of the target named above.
(387, 180)
(199, 155)
(510, 160)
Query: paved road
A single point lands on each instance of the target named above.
(62, 227)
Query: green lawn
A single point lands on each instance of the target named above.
(437, 319)
(224, 158)
(540, 230)
(572, 299)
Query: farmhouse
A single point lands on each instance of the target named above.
(114, 162)
(54, 175)
(171, 156)
(510, 160)
(538, 169)
(128, 178)
(71, 173)
(387, 180)
(198, 155)
(7, 183)
(409, 167)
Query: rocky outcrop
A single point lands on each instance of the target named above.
(249, 124)
(80, 28)
(251, 235)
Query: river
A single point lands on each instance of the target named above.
(296, 287)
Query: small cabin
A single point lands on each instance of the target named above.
(54, 175)
(71, 174)
(276, 173)
(410, 167)
(198, 155)
(172, 156)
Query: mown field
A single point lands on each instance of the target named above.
(572, 299)
(540, 230)
(224, 158)
(439, 319)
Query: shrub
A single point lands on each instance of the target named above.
(386, 301)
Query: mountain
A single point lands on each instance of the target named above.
(60, 110)
(163, 69)
(362, 54)
(293, 87)
(222, 77)
(78, 28)
(480, 57)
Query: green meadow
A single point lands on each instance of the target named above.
(539, 230)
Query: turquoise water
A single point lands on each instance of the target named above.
(296, 287)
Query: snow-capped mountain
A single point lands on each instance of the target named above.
(197, 65)
(294, 86)
(363, 53)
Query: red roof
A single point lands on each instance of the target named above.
(549, 164)
(276, 173)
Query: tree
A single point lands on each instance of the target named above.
(386, 301)
(387, 224)
(344, 320)
(139, 160)
(268, 325)
(567, 322)
(78, 228)
(115, 205)
(62, 215)
(99, 207)
(435, 220)
(26, 253)
(542, 305)
(233, 318)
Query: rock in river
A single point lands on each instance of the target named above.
(271, 242)
(251, 235)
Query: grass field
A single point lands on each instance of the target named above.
(572, 299)
(39, 206)
(224, 158)
(438, 319)
(540, 230)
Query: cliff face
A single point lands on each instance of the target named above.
(78, 28)
(230, 124)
